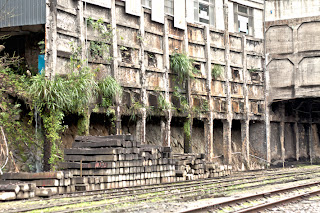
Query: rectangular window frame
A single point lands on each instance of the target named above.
(146, 3)
(248, 14)
(211, 17)
(168, 7)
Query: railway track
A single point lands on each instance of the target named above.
(176, 191)
(263, 205)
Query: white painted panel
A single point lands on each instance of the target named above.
(258, 23)
(190, 10)
(102, 3)
(157, 13)
(179, 12)
(219, 15)
(230, 17)
(133, 7)
(243, 23)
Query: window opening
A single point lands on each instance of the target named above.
(243, 19)
(204, 11)
(146, 3)
(168, 7)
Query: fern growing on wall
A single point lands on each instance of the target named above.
(181, 65)
(110, 90)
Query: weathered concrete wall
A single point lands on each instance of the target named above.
(197, 138)
(290, 9)
(275, 142)
(257, 139)
(289, 141)
(177, 139)
(153, 131)
(293, 58)
(292, 53)
(217, 140)
(303, 138)
(141, 52)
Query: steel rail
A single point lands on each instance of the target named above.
(278, 202)
(255, 196)
(159, 196)
(126, 192)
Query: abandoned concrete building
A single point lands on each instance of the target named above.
(262, 108)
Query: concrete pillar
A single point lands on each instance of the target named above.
(189, 119)
(118, 120)
(166, 63)
(295, 78)
(208, 126)
(144, 97)
(163, 131)
(310, 142)
(51, 38)
(266, 91)
(245, 142)
(282, 126)
(115, 62)
(228, 122)
(227, 141)
(187, 134)
(297, 138)
(81, 30)
(245, 123)
(114, 42)
(208, 132)
(168, 129)
(315, 140)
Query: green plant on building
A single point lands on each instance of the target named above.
(252, 69)
(217, 71)
(59, 96)
(163, 103)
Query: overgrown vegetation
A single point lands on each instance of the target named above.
(100, 49)
(252, 69)
(181, 65)
(55, 98)
(163, 103)
(110, 91)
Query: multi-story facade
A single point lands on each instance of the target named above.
(228, 34)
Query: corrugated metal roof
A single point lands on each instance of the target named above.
(22, 12)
